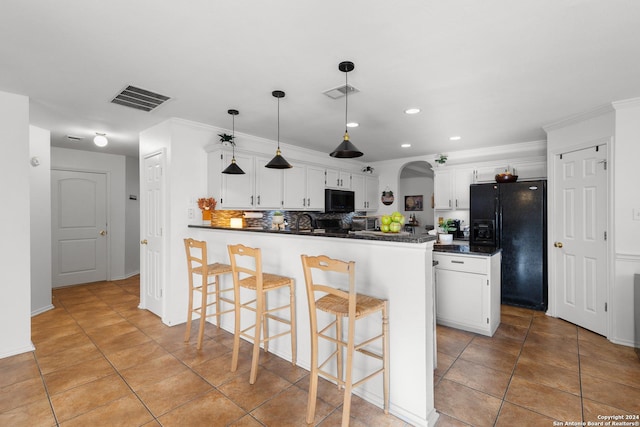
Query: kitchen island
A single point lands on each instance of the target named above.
(397, 268)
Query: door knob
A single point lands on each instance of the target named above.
(103, 232)
(143, 242)
(558, 244)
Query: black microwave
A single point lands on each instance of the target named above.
(338, 201)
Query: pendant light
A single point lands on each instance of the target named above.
(346, 149)
(278, 162)
(233, 168)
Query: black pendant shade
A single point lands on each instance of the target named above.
(278, 162)
(233, 168)
(346, 149)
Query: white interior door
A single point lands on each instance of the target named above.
(151, 239)
(79, 227)
(580, 246)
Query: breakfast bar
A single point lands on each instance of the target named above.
(397, 268)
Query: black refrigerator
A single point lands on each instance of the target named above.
(513, 217)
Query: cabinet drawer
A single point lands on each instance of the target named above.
(462, 263)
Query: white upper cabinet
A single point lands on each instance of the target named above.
(530, 171)
(237, 190)
(268, 194)
(365, 188)
(451, 188)
(304, 187)
(258, 188)
(338, 179)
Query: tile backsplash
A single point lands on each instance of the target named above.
(222, 218)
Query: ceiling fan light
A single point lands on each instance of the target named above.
(100, 140)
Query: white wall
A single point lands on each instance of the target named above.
(417, 186)
(40, 193)
(15, 243)
(132, 217)
(114, 166)
(619, 122)
(627, 230)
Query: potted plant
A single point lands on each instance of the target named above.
(442, 159)
(206, 205)
(226, 139)
(443, 236)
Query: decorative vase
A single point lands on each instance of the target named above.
(206, 215)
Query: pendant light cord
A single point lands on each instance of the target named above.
(346, 99)
(278, 124)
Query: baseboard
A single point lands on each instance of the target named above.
(128, 275)
(18, 350)
(42, 310)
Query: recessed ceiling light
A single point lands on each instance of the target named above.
(405, 145)
(100, 140)
(353, 125)
(455, 138)
(412, 111)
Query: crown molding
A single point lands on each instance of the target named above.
(626, 103)
(580, 117)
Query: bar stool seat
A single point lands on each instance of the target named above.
(246, 265)
(197, 265)
(342, 305)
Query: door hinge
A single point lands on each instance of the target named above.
(605, 235)
(487, 282)
(221, 158)
(160, 292)
(597, 148)
(487, 320)
(605, 307)
(560, 156)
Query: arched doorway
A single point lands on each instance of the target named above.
(415, 192)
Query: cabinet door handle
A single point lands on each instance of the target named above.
(309, 202)
(457, 262)
(456, 203)
(258, 200)
(251, 200)
(449, 202)
(304, 202)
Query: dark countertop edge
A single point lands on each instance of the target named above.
(390, 238)
(467, 250)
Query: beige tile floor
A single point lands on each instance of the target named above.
(101, 361)
(535, 370)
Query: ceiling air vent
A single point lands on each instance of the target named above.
(340, 91)
(74, 138)
(140, 99)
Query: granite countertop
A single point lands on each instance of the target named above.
(466, 249)
(345, 234)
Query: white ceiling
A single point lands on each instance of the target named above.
(493, 72)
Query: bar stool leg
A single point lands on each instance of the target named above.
(292, 312)
(236, 335)
(203, 309)
(385, 355)
(339, 351)
(187, 331)
(348, 381)
(265, 325)
(256, 337)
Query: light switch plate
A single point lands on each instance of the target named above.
(636, 214)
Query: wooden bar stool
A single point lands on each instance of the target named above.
(247, 273)
(342, 304)
(197, 265)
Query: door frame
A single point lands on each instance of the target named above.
(164, 274)
(552, 156)
(107, 207)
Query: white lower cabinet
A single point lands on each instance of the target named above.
(468, 292)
